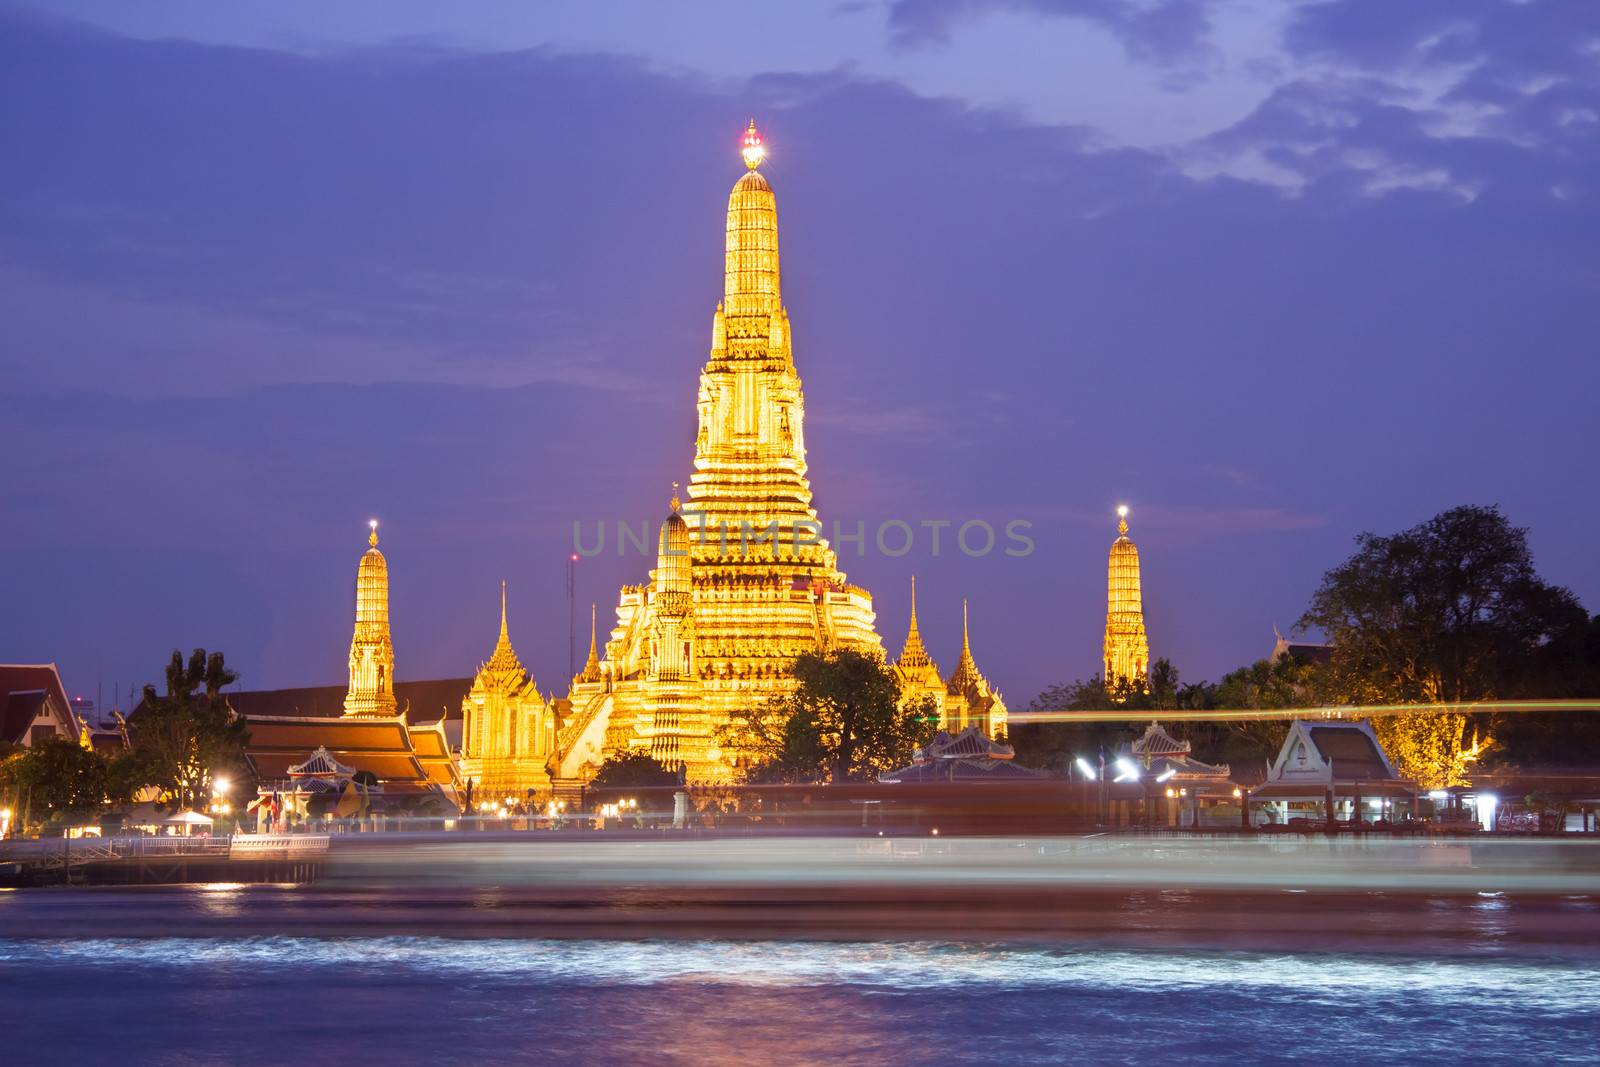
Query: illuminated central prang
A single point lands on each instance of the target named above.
(744, 582)
(754, 152)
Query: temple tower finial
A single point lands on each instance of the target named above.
(753, 151)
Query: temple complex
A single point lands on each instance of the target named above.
(743, 583)
(1127, 649)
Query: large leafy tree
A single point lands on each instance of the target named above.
(844, 721)
(1450, 611)
(189, 735)
(1446, 613)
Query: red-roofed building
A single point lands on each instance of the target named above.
(34, 705)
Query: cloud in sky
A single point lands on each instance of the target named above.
(1152, 30)
(471, 292)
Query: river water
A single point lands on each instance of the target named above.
(336, 995)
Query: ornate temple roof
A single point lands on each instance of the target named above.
(503, 660)
(966, 676)
(969, 756)
(914, 656)
(1165, 756)
(1155, 741)
(321, 764)
(968, 744)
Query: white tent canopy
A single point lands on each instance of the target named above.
(187, 818)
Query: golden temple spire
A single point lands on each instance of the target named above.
(1127, 647)
(505, 635)
(966, 672)
(591, 668)
(504, 658)
(914, 654)
(371, 685)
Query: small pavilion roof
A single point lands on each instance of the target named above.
(969, 743)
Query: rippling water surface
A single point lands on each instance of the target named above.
(307, 1000)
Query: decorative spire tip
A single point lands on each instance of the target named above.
(372, 538)
(754, 151)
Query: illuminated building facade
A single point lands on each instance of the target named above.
(1127, 650)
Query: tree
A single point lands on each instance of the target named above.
(634, 770)
(189, 735)
(1450, 611)
(845, 721)
(59, 778)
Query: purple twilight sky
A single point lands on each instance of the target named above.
(1271, 273)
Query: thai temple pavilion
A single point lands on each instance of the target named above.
(1127, 652)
